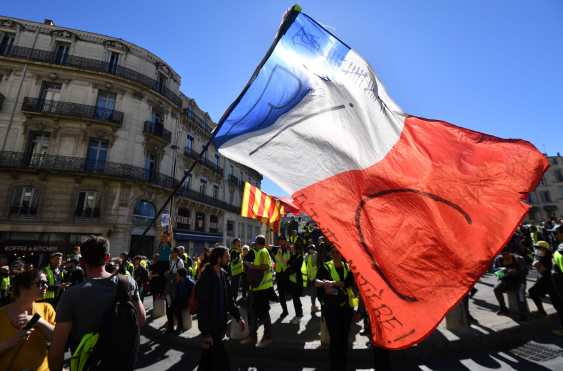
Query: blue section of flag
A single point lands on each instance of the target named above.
(305, 52)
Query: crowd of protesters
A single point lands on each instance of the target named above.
(220, 284)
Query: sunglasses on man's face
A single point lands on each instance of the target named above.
(42, 283)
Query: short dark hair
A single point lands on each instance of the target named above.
(23, 280)
(260, 239)
(216, 254)
(235, 240)
(94, 251)
(183, 272)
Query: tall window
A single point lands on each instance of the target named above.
(532, 198)
(150, 165)
(161, 82)
(24, 201)
(97, 154)
(113, 62)
(230, 228)
(49, 96)
(38, 147)
(189, 143)
(200, 222)
(215, 191)
(188, 181)
(203, 186)
(143, 212)
(105, 105)
(231, 196)
(204, 153)
(6, 43)
(183, 218)
(217, 161)
(88, 205)
(156, 117)
(61, 52)
(213, 224)
(545, 196)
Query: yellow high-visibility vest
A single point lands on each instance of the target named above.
(83, 351)
(353, 300)
(267, 279)
(50, 293)
(237, 267)
(281, 260)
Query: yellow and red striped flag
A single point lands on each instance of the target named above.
(261, 206)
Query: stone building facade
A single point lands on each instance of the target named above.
(94, 135)
(547, 199)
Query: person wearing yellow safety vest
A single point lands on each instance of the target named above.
(236, 268)
(311, 267)
(129, 267)
(294, 238)
(557, 276)
(281, 259)
(55, 277)
(297, 277)
(336, 293)
(5, 284)
(260, 278)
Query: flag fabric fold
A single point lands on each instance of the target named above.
(418, 207)
(258, 205)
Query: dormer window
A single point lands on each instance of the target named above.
(61, 52)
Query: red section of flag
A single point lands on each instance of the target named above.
(422, 225)
(290, 206)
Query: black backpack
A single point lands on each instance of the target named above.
(118, 344)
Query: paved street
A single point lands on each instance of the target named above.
(539, 355)
(495, 343)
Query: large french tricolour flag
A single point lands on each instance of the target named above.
(418, 207)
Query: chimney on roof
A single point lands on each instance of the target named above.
(48, 22)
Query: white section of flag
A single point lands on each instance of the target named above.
(347, 123)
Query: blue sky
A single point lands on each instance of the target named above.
(493, 66)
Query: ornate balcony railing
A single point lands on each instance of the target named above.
(198, 196)
(80, 165)
(95, 65)
(51, 107)
(205, 162)
(234, 181)
(158, 130)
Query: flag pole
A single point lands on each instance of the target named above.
(288, 19)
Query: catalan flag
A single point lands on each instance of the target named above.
(260, 206)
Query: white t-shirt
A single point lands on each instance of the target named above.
(175, 265)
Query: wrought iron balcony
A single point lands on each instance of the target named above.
(82, 111)
(94, 65)
(80, 165)
(234, 181)
(205, 162)
(198, 196)
(157, 130)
